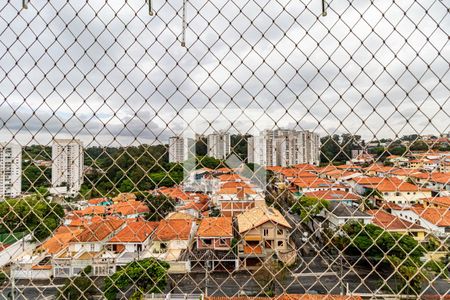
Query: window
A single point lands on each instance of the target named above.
(265, 232)
(280, 231)
(207, 242)
(280, 244)
(222, 241)
(92, 246)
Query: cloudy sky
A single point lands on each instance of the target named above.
(109, 73)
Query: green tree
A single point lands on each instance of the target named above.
(159, 205)
(307, 207)
(147, 276)
(80, 287)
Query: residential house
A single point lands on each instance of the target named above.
(131, 243)
(263, 230)
(397, 191)
(236, 197)
(436, 220)
(214, 245)
(86, 249)
(171, 238)
(339, 214)
(394, 224)
(438, 202)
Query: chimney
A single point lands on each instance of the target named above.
(240, 192)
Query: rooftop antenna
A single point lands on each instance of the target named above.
(324, 8)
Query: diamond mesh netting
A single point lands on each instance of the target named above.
(203, 149)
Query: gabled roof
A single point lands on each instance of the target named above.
(215, 227)
(392, 184)
(437, 216)
(390, 222)
(259, 215)
(176, 229)
(340, 209)
(440, 201)
(137, 231)
(60, 239)
(98, 231)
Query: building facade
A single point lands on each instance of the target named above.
(67, 165)
(283, 147)
(10, 170)
(219, 145)
(179, 149)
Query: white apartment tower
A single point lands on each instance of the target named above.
(10, 170)
(219, 145)
(67, 165)
(283, 147)
(180, 148)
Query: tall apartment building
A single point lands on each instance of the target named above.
(10, 170)
(67, 165)
(180, 149)
(282, 147)
(219, 144)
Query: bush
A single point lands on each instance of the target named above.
(81, 287)
(147, 275)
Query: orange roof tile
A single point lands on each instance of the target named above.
(137, 231)
(60, 239)
(388, 221)
(436, 216)
(98, 231)
(95, 201)
(176, 229)
(440, 201)
(215, 227)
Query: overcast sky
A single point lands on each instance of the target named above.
(110, 73)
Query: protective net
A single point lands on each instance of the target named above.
(205, 149)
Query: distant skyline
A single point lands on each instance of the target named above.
(127, 85)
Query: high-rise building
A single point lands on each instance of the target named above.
(180, 148)
(10, 170)
(282, 147)
(67, 165)
(219, 144)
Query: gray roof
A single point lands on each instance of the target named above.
(343, 210)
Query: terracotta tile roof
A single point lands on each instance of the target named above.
(92, 210)
(275, 169)
(333, 195)
(98, 231)
(215, 227)
(311, 182)
(390, 222)
(95, 201)
(137, 231)
(404, 172)
(293, 172)
(305, 167)
(124, 197)
(129, 208)
(440, 201)
(437, 216)
(198, 206)
(232, 177)
(393, 184)
(379, 168)
(259, 215)
(173, 192)
(169, 230)
(234, 191)
(60, 239)
(349, 167)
